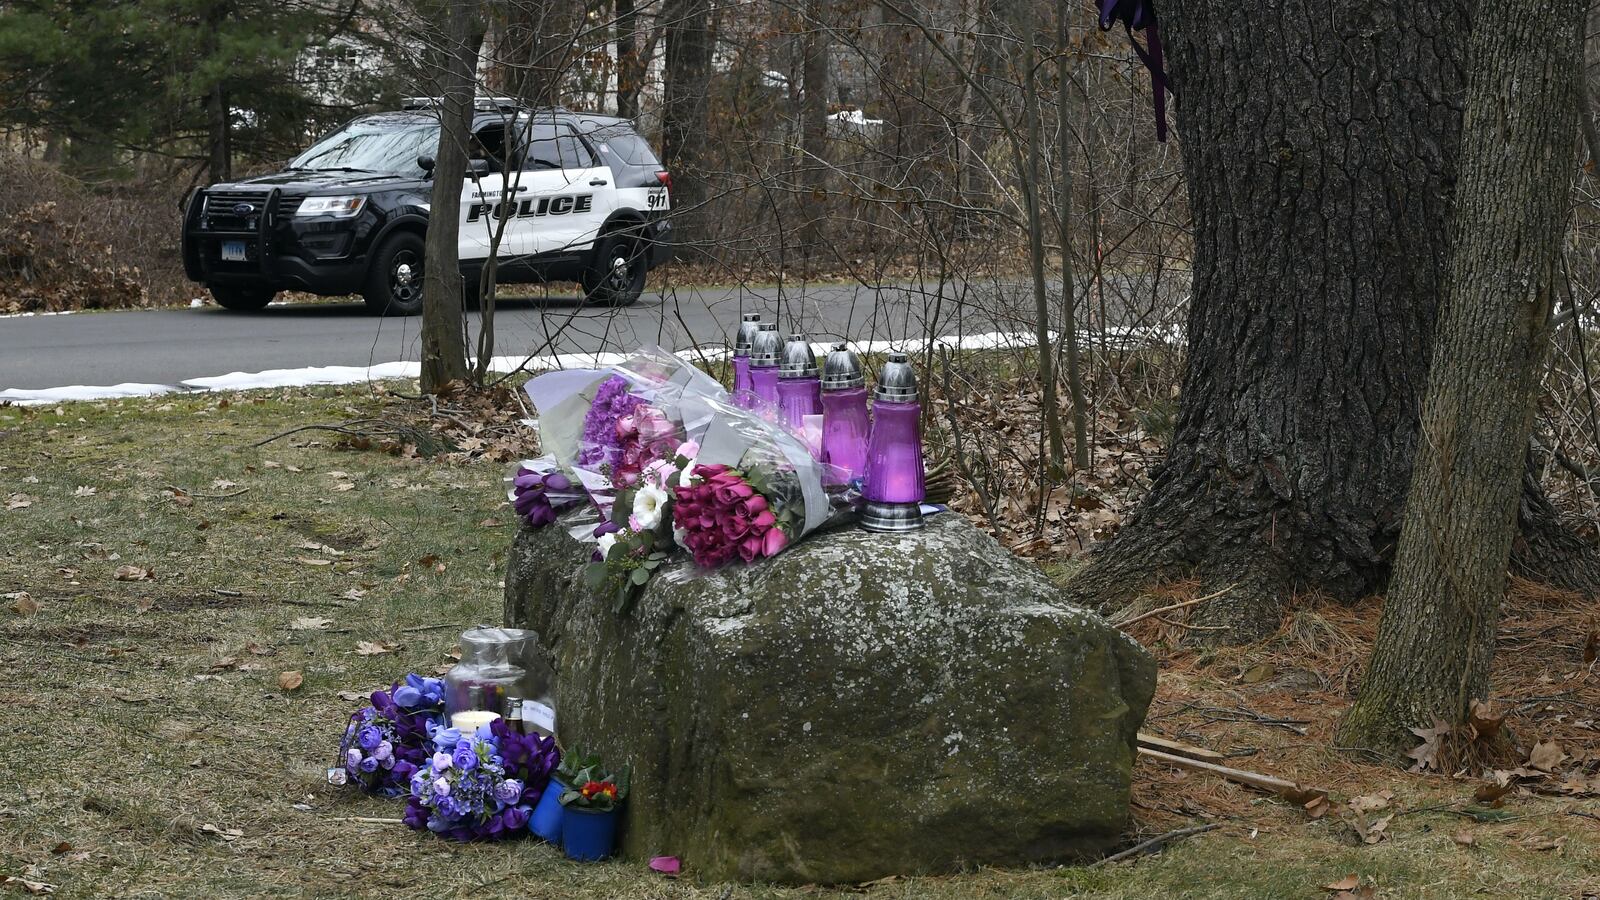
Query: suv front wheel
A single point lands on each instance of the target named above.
(241, 299)
(617, 276)
(394, 283)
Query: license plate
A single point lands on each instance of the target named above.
(233, 251)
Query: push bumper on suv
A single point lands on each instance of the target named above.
(252, 237)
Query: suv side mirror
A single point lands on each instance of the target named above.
(477, 168)
(425, 163)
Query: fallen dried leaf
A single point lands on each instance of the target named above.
(83, 490)
(309, 623)
(37, 888)
(1426, 754)
(1546, 755)
(1371, 802)
(1492, 794)
(226, 834)
(133, 573)
(375, 648)
(1464, 839)
(19, 501)
(1347, 883)
(290, 680)
(352, 695)
(1485, 721)
(344, 486)
(22, 603)
(1542, 843)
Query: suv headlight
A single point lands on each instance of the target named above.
(338, 207)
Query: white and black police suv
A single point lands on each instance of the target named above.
(573, 197)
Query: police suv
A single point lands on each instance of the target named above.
(561, 195)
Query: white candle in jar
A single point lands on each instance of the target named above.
(470, 720)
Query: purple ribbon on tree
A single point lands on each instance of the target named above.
(1139, 15)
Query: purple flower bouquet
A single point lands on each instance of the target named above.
(480, 786)
(386, 742)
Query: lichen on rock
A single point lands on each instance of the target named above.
(858, 706)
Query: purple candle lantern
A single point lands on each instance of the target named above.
(894, 486)
(749, 324)
(845, 422)
(799, 384)
(766, 352)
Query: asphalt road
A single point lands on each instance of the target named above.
(168, 346)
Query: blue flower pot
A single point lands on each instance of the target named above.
(588, 835)
(549, 813)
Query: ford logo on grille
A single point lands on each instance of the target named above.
(243, 209)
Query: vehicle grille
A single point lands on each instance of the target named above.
(220, 212)
(288, 205)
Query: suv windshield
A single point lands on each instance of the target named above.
(374, 145)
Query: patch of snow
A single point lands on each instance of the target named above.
(312, 375)
(29, 315)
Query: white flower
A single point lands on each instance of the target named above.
(649, 504)
(607, 541)
(680, 536)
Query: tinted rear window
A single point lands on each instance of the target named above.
(627, 145)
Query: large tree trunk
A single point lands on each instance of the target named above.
(683, 113)
(1436, 639)
(444, 354)
(1319, 145)
(219, 117)
(814, 70)
(630, 66)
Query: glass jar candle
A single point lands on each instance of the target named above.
(766, 353)
(894, 486)
(845, 421)
(742, 344)
(799, 387)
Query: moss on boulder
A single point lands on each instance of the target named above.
(859, 706)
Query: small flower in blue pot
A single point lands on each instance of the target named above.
(591, 805)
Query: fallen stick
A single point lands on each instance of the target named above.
(1166, 609)
(369, 820)
(1179, 749)
(1288, 790)
(1153, 844)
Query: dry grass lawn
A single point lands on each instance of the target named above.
(153, 750)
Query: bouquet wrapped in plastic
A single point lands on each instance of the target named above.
(385, 742)
(671, 463)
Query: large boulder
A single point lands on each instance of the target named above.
(861, 705)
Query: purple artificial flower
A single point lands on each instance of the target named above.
(600, 443)
(403, 771)
(369, 737)
(369, 764)
(441, 761)
(383, 751)
(516, 817)
(416, 815)
(446, 739)
(508, 791)
(465, 759)
(441, 787)
(352, 757)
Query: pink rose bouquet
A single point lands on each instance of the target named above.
(721, 513)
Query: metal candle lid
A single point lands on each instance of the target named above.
(841, 371)
(748, 326)
(766, 349)
(798, 359)
(897, 383)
